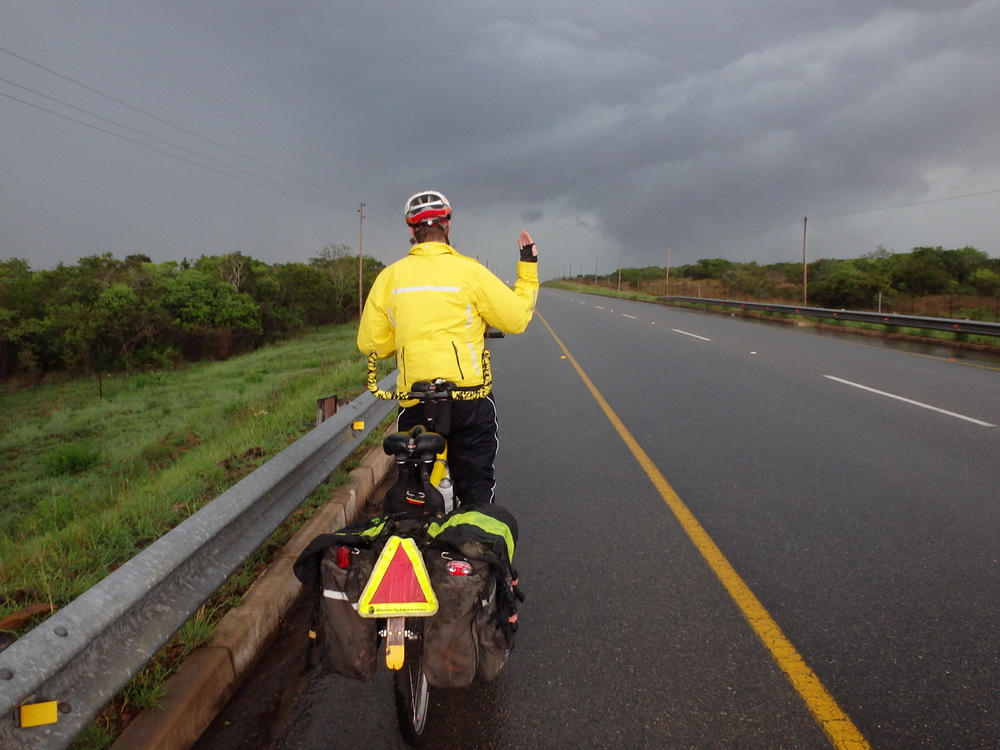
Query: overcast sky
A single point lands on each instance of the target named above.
(607, 129)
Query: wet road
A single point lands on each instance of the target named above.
(864, 524)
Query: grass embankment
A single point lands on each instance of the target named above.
(946, 338)
(602, 291)
(89, 481)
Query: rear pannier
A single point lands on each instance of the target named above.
(469, 558)
(338, 566)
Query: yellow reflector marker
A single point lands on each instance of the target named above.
(394, 657)
(37, 714)
(399, 585)
(358, 424)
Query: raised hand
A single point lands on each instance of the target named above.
(529, 252)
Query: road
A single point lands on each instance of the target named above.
(788, 541)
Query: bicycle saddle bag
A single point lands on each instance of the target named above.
(337, 566)
(468, 558)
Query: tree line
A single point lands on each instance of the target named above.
(856, 283)
(107, 315)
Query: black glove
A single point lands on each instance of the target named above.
(527, 255)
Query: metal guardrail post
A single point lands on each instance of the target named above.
(83, 655)
(326, 407)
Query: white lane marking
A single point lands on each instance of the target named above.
(910, 401)
(598, 307)
(692, 335)
(629, 316)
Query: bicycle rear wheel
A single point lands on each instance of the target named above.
(410, 686)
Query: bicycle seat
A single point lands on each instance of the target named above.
(395, 444)
(418, 440)
(429, 442)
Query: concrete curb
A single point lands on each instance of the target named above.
(211, 675)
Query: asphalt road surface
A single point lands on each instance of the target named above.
(841, 584)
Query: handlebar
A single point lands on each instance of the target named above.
(424, 390)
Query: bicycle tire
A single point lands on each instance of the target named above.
(410, 687)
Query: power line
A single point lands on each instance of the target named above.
(795, 222)
(172, 125)
(908, 205)
(305, 196)
(746, 234)
(163, 151)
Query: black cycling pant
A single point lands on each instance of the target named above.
(472, 446)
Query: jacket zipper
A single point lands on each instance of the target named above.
(458, 361)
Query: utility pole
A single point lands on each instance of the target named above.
(596, 260)
(666, 281)
(805, 268)
(619, 270)
(361, 263)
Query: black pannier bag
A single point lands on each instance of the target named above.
(468, 558)
(338, 566)
(450, 650)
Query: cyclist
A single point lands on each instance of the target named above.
(431, 310)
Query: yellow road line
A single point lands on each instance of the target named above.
(837, 725)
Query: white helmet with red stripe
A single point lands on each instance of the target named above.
(427, 207)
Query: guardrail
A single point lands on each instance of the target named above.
(979, 327)
(75, 662)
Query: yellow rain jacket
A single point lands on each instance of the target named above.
(431, 309)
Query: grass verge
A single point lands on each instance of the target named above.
(88, 482)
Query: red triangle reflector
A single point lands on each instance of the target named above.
(399, 584)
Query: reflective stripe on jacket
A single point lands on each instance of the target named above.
(431, 309)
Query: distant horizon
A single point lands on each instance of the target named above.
(584, 273)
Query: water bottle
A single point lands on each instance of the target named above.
(448, 492)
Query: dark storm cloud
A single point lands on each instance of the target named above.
(605, 127)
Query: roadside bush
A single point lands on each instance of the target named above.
(975, 313)
(71, 458)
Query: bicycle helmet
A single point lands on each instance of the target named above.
(427, 207)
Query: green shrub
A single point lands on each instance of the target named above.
(70, 458)
(976, 313)
(146, 380)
